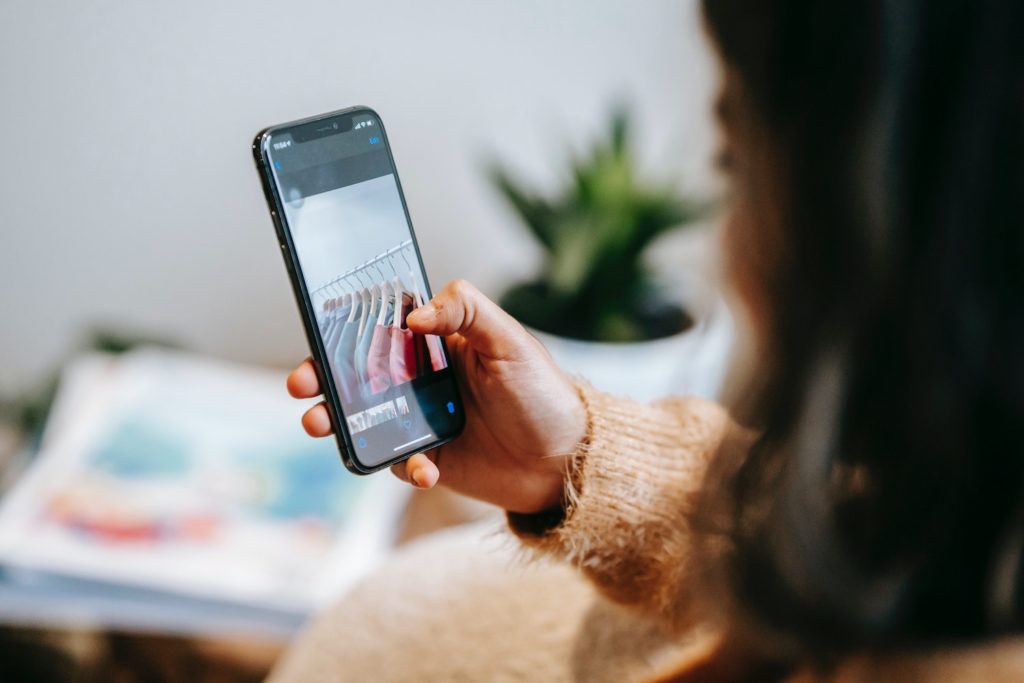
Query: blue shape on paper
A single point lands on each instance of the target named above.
(135, 449)
(296, 482)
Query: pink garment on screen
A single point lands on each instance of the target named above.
(436, 352)
(409, 357)
(404, 366)
(378, 365)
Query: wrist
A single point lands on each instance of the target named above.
(554, 469)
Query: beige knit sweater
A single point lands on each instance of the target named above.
(463, 606)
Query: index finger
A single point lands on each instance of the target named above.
(302, 381)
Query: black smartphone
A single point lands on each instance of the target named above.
(347, 240)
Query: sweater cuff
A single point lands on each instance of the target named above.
(629, 493)
(633, 455)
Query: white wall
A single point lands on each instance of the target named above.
(127, 187)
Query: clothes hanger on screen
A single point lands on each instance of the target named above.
(385, 298)
(395, 271)
(382, 308)
(382, 283)
(396, 279)
(342, 299)
(418, 297)
(400, 294)
(376, 305)
(368, 300)
(354, 300)
(329, 301)
(346, 298)
(338, 294)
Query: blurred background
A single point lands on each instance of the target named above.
(130, 195)
(131, 208)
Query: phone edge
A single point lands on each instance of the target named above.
(320, 365)
(341, 436)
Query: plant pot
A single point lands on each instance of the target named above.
(692, 362)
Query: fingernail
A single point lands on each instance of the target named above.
(417, 478)
(424, 313)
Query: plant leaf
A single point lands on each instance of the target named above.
(536, 213)
(596, 284)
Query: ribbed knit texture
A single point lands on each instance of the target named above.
(443, 610)
(629, 498)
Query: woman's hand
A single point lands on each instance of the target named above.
(523, 415)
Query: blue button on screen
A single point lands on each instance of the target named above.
(451, 407)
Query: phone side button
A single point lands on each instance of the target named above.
(287, 259)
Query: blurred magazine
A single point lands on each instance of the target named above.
(179, 493)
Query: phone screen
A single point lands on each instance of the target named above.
(361, 269)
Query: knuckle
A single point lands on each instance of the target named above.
(461, 288)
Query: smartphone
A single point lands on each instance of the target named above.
(348, 244)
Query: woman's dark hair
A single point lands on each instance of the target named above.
(884, 503)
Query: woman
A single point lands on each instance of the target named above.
(859, 514)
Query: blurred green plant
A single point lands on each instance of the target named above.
(595, 284)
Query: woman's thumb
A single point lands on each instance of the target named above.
(462, 309)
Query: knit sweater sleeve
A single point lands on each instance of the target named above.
(626, 521)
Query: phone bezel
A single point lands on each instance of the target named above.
(335, 408)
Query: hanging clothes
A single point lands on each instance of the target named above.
(361, 354)
(345, 354)
(334, 322)
(408, 352)
(330, 329)
(378, 362)
(436, 352)
(369, 346)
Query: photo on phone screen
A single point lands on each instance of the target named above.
(356, 256)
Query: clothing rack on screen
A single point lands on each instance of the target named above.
(369, 346)
(322, 289)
